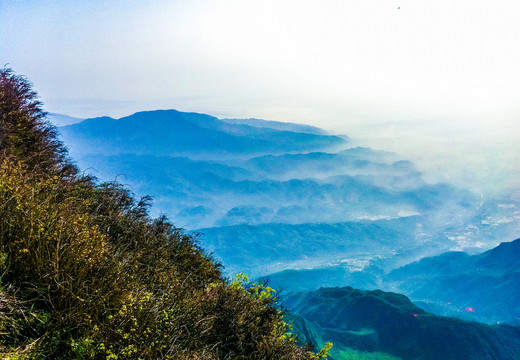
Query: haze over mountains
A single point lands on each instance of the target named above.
(226, 178)
(174, 133)
(307, 209)
(485, 287)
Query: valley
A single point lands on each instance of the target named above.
(310, 213)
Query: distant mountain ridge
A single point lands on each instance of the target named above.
(484, 286)
(222, 177)
(284, 126)
(170, 132)
(266, 248)
(63, 120)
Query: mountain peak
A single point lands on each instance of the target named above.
(504, 257)
(171, 132)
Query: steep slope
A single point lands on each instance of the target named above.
(391, 323)
(86, 273)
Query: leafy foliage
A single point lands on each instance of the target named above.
(87, 274)
(24, 130)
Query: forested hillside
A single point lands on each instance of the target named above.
(386, 322)
(86, 273)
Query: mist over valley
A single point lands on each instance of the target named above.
(304, 210)
(237, 181)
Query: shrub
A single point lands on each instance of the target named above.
(87, 274)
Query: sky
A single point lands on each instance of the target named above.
(441, 70)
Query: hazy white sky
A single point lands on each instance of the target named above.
(447, 72)
(324, 62)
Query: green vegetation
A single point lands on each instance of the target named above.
(385, 325)
(87, 274)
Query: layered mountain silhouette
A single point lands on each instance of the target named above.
(226, 178)
(484, 286)
(309, 209)
(267, 248)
